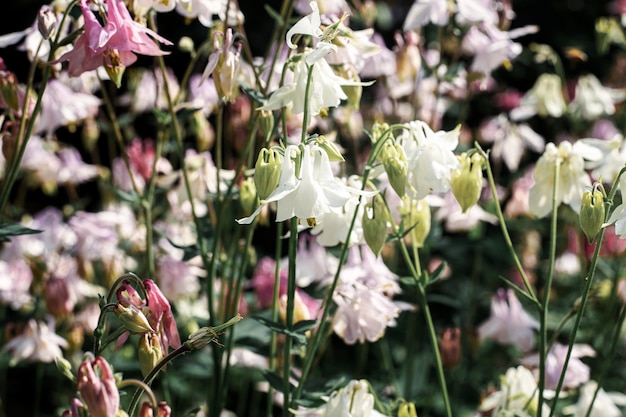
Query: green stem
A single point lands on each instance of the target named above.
(543, 312)
(291, 295)
(275, 296)
(608, 361)
(505, 232)
(586, 290)
(432, 335)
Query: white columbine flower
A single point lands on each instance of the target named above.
(573, 180)
(430, 156)
(544, 99)
(353, 400)
(593, 100)
(518, 395)
(307, 187)
(325, 90)
(38, 343)
(605, 404)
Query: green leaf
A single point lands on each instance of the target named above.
(9, 230)
(253, 94)
(275, 15)
(275, 380)
(298, 336)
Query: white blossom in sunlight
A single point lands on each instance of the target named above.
(312, 192)
(205, 10)
(518, 395)
(325, 90)
(593, 100)
(354, 400)
(430, 156)
(38, 343)
(573, 180)
(604, 405)
(544, 99)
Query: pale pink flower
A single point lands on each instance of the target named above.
(62, 106)
(510, 140)
(161, 314)
(577, 372)
(150, 91)
(509, 323)
(423, 12)
(112, 45)
(492, 47)
(177, 279)
(518, 202)
(202, 94)
(363, 297)
(38, 343)
(15, 280)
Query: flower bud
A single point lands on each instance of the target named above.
(267, 172)
(133, 319)
(450, 347)
(163, 410)
(396, 166)
(60, 301)
(247, 196)
(185, 44)
(407, 410)
(149, 352)
(97, 387)
(8, 89)
(334, 154)
(467, 180)
(375, 224)
(378, 129)
(266, 123)
(205, 335)
(592, 213)
(416, 216)
(46, 21)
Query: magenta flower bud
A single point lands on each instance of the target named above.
(97, 388)
(60, 301)
(163, 410)
(161, 313)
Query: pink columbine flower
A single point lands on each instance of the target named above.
(161, 313)
(509, 323)
(97, 388)
(156, 309)
(112, 45)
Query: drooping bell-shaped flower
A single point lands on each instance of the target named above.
(113, 45)
(97, 387)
